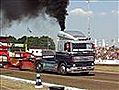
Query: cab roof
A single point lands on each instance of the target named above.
(75, 33)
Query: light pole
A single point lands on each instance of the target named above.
(1, 24)
(89, 33)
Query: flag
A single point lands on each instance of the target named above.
(29, 30)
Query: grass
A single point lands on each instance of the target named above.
(107, 68)
(7, 84)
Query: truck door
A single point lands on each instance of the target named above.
(49, 64)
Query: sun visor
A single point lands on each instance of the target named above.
(71, 35)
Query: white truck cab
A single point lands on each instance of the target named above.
(74, 41)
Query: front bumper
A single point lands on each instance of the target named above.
(80, 69)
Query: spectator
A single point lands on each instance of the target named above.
(109, 53)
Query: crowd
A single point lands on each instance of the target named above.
(110, 53)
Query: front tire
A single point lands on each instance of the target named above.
(62, 69)
(1, 65)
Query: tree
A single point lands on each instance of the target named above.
(12, 39)
(22, 39)
(47, 42)
(33, 42)
(43, 42)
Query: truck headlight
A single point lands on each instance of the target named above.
(92, 63)
(74, 65)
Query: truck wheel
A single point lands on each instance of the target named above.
(62, 69)
(1, 65)
(39, 67)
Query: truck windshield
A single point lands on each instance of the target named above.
(82, 45)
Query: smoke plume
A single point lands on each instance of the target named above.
(18, 9)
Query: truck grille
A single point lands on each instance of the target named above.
(80, 64)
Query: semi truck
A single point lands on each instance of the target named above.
(75, 54)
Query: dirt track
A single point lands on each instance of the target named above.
(99, 81)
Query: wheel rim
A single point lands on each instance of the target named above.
(39, 68)
(63, 69)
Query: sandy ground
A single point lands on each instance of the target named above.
(7, 84)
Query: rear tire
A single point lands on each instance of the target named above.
(62, 69)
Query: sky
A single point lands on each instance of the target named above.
(103, 18)
(103, 22)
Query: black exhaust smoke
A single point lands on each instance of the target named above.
(18, 9)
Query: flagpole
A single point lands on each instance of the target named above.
(1, 27)
(26, 42)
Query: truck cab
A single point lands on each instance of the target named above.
(76, 52)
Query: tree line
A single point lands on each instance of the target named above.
(43, 42)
